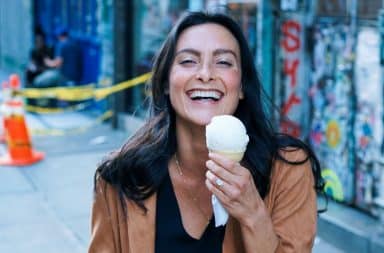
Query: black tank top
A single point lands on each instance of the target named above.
(171, 236)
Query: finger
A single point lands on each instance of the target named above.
(218, 170)
(215, 180)
(222, 186)
(225, 162)
(216, 191)
(222, 173)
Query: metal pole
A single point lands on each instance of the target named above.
(123, 54)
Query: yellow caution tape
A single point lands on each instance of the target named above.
(46, 110)
(79, 93)
(104, 92)
(76, 130)
(63, 93)
(84, 92)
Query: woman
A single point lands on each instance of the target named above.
(154, 195)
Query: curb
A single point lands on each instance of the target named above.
(351, 230)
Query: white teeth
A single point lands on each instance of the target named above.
(205, 94)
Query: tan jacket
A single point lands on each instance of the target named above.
(291, 203)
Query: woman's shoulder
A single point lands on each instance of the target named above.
(291, 165)
(103, 188)
(291, 176)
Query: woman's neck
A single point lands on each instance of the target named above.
(192, 152)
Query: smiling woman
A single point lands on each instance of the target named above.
(154, 194)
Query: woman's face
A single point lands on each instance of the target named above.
(205, 76)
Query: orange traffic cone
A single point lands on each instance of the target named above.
(20, 150)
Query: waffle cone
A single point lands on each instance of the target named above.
(234, 156)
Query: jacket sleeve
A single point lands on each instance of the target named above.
(102, 234)
(294, 208)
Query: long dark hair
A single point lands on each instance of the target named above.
(138, 168)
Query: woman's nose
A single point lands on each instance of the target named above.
(205, 73)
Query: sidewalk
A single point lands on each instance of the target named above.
(350, 229)
(45, 207)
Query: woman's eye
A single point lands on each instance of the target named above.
(225, 63)
(187, 62)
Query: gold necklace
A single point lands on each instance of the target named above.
(191, 196)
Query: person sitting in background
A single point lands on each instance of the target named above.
(66, 66)
(39, 53)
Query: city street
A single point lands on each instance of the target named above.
(320, 65)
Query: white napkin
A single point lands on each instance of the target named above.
(221, 215)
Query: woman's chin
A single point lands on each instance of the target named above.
(203, 119)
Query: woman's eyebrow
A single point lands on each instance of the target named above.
(224, 51)
(215, 52)
(189, 51)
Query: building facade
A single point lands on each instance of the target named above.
(15, 34)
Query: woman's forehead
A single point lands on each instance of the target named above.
(208, 36)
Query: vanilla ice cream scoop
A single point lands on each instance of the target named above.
(227, 135)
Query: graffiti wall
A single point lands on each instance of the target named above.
(368, 129)
(290, 93)
(331, 96)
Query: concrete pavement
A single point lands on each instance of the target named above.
(45, 207)
(351, 230)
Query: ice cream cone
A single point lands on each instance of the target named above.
(225, 135)
(234, 156)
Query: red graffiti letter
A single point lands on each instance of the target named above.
(292, 100)
(290, 69)
(291, 41)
